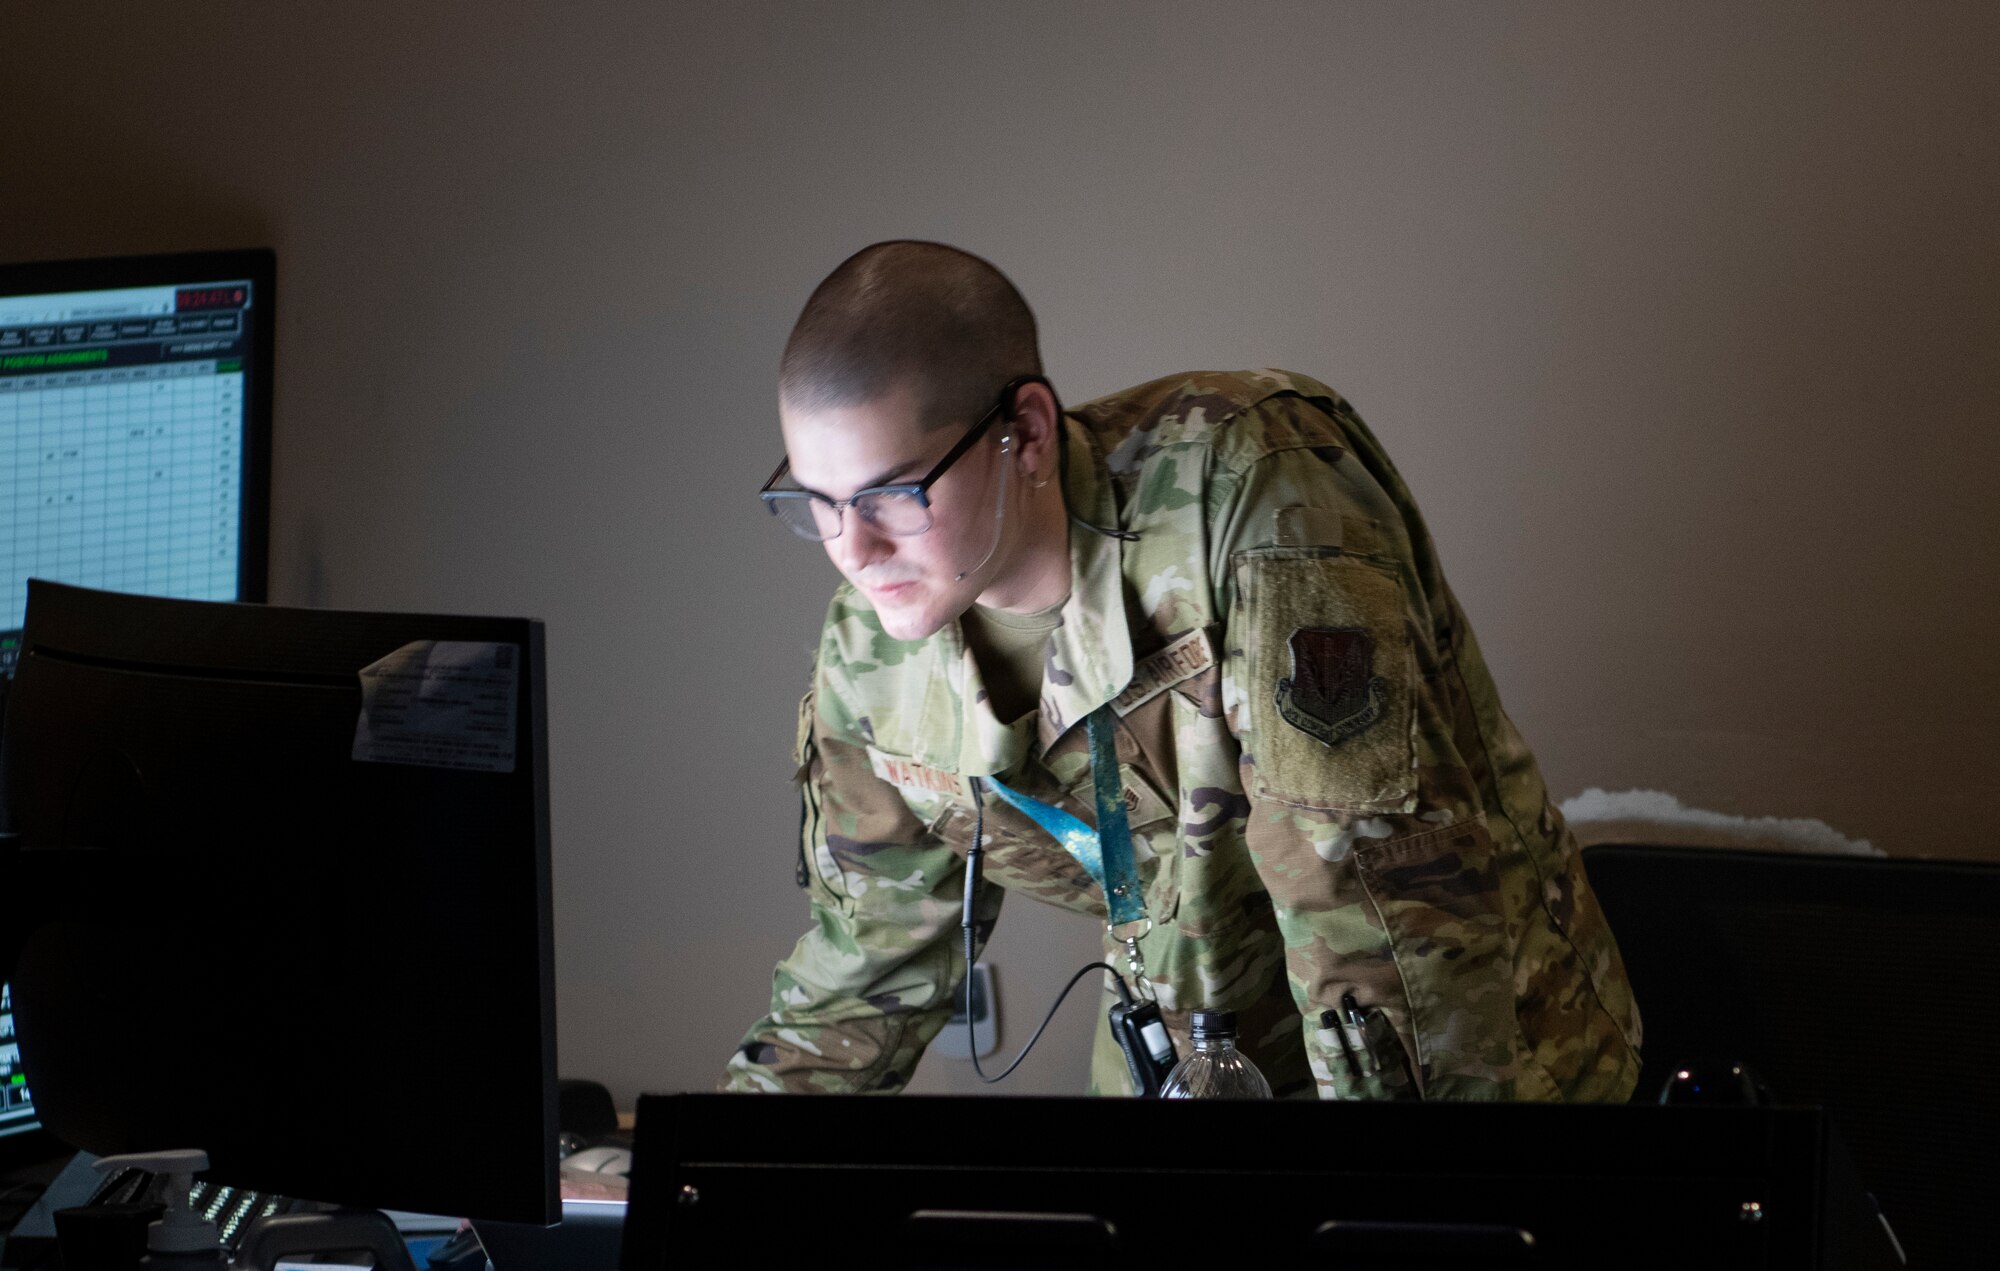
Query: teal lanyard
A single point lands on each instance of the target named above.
(1106, 852)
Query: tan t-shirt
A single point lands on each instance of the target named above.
(1010, 649)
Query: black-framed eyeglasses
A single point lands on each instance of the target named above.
(903, 509)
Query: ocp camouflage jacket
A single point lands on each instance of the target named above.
(1340, 834)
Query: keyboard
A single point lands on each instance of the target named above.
(231, 1209)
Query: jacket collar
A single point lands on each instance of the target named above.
(1090, 653)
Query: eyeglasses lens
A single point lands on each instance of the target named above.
(817, 520)
(807, 517)
(894, 513)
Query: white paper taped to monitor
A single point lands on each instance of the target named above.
(441, 704)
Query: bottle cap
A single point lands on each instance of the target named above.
(1212, 1024)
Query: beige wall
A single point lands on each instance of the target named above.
(1683, 321)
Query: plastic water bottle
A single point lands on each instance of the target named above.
(1216, 1069)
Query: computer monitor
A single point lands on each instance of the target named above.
(1865, 984)
(16, 1113)
(135, 428)
(286, 895)
(950, 1183)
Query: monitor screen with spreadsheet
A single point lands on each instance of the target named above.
(135, 427)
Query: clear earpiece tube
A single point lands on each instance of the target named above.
(999, 508)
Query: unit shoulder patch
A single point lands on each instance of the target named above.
(1333, 692)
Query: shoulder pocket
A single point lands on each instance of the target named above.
(1320, 641)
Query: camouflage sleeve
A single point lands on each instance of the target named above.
(870, 984)
(1367, 822)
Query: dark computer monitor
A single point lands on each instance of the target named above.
(1864, 984)
(953, 1183)
(284, 895)
(135, 429)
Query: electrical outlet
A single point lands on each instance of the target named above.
(985, 1018)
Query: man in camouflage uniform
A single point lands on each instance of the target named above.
(1340, 835)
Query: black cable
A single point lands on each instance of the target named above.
(1123, 536)
(972, 1040)
(1062, 473)
(973, 856)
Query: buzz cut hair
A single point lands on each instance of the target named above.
(905, 313)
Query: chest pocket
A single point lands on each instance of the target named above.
(1022, 857)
